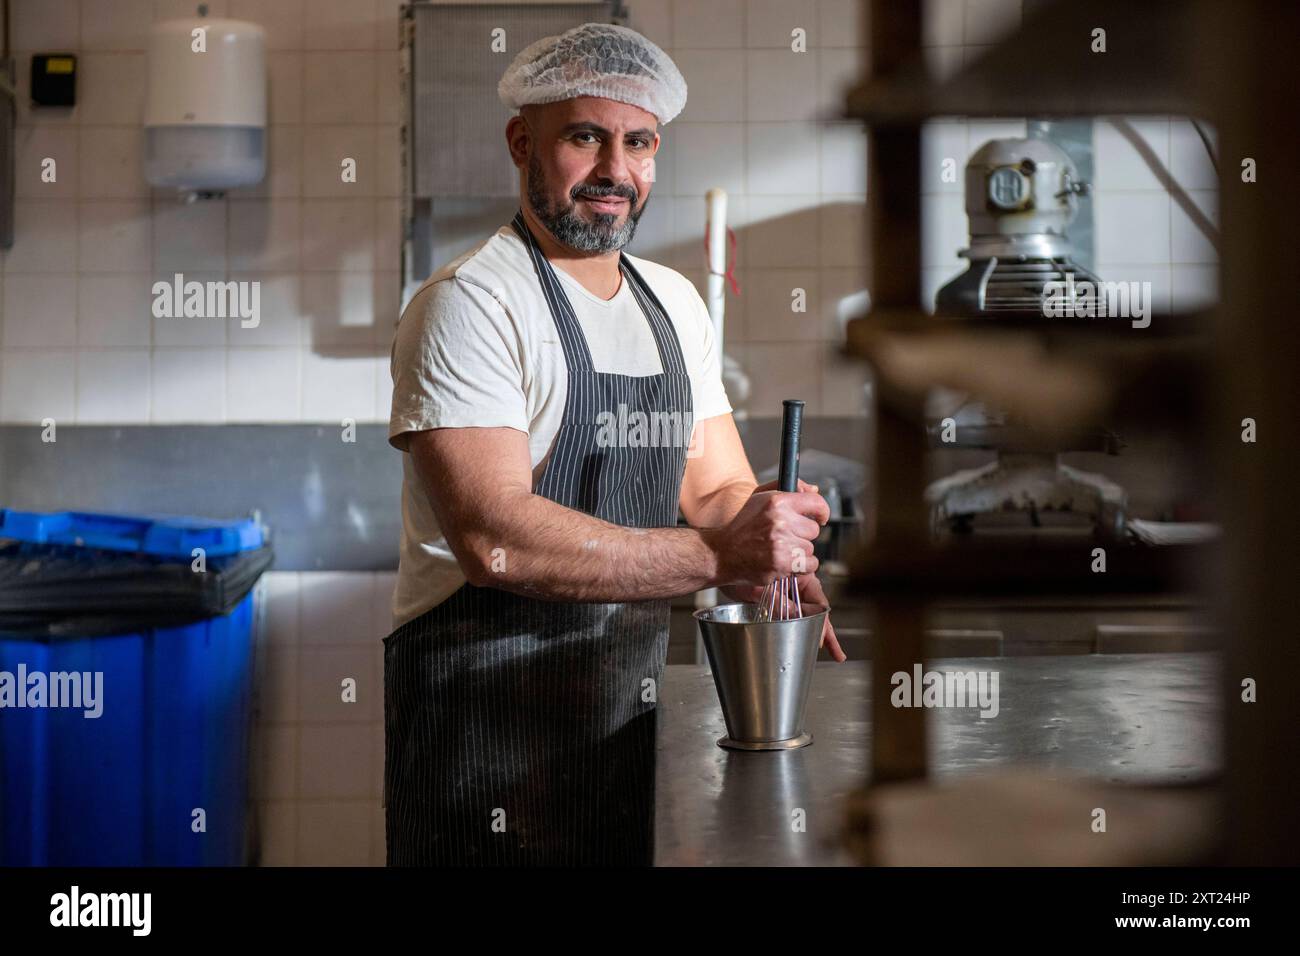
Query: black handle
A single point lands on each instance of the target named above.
(791, 423)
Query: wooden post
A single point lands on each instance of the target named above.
(894, 277)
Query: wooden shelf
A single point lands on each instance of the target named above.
(1053, 381)
(1166, 325)
(1048, 68)
(986, 568)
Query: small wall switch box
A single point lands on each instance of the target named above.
(54, 79)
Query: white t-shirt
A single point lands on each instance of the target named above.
(477, 347)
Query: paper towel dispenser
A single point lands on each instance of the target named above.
(205, 113)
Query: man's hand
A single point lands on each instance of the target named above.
(810, 592)
(770, 537)
(810, 588)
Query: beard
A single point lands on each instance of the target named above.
(571, 229)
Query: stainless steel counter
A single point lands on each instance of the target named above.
(1131, 718)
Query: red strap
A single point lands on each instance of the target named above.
(731, 261)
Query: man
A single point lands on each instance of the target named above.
(539, 544)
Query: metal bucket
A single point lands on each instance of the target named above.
(762, 670)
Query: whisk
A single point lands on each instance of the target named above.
(780, 599)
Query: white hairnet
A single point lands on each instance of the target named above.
(595, 59)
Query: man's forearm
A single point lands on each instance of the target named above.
(535, 547)
(723, 504)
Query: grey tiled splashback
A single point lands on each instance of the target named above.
(331, 504)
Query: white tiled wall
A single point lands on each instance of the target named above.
(78, 342)
(796, 187)
(319, 761)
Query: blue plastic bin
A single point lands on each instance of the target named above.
(123, 789)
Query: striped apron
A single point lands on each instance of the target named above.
(522, 732)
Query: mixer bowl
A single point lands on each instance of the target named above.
(762, 671)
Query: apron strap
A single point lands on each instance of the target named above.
(670, 349)
(576, 352)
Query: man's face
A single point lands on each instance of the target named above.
(590, 168)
